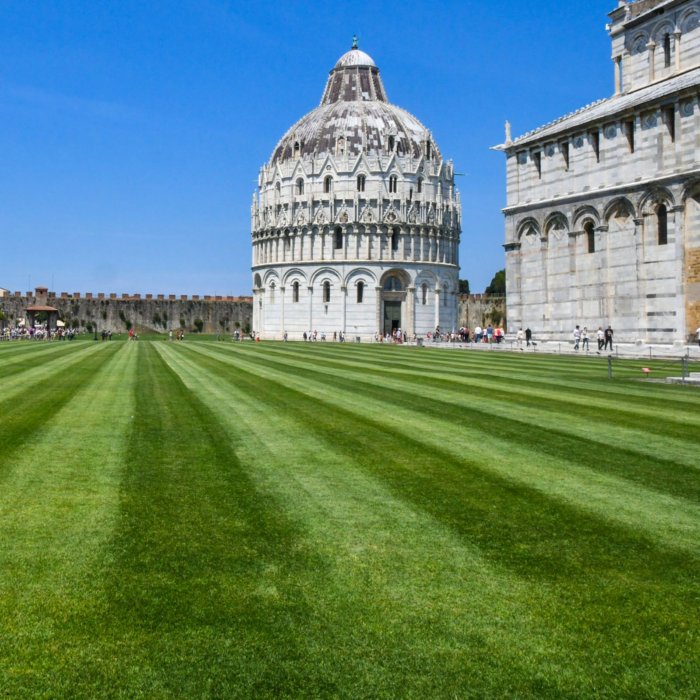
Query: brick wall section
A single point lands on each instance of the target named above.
(482, 309)
(146, 314)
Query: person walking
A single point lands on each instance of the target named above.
(584, 339)
(577, 337)
(608, 338)
(601, 338)
(528, 336)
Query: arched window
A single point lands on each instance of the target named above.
(667, 50)
(360, 291)
(326, 292)
(395, 239)
(361, 183)
(338, 238)
(428, 150)
(392, 143)
(590, 236)
(295, 292)
(393, 284)
(424, 293)
(393, 183)
(297, 149)
(419, 185)
(340, 146)
(662, 224)
(300, 186)
(277, 190)
(328, 184)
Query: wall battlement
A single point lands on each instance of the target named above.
(158, 313)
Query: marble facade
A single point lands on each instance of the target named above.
(356, 222)
(603, 205)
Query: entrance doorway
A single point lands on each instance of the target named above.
(392, 316)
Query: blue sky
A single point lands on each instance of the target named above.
(131, 132)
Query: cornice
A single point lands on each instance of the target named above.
(604, 192)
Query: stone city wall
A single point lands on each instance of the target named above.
(482, 309)
(157, 313)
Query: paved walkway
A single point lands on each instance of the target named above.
(625, 350)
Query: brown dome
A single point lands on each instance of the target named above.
(354, 108)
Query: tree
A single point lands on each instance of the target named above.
(464, 286)
(498, 284)
(198, 324)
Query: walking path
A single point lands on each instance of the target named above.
(625, 350)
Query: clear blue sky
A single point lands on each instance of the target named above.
(131, 132)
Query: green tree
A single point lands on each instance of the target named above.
(464, 286)
(498, 284)
(198, 324)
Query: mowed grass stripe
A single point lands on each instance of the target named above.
(388, 619)
(517, 458)
(58, 504)
(537, 539)
(639, 455)
(541, 375)
(18, 379)
(517, 377)
(34, 398)
(14, 360)
(565, 478)
(206, 588)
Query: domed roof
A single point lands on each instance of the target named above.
(354, 117)
(355, 57)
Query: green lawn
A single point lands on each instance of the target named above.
(208, 519)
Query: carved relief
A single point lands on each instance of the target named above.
(391, 215)
(367, 216)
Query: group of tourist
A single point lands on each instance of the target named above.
(17, 332)
(489, 334)
(604, 338)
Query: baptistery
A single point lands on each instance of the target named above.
(356, 221)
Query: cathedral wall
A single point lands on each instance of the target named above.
(655, 141)
(653, 43)
(601, 219)
(624, 276)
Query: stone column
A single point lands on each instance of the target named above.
(677, 49)
(618, 74)
(344, 294)
(437, 307)
(282, 293)
(378, 315)
(410, 311)
(651, 46)
(311, 308)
